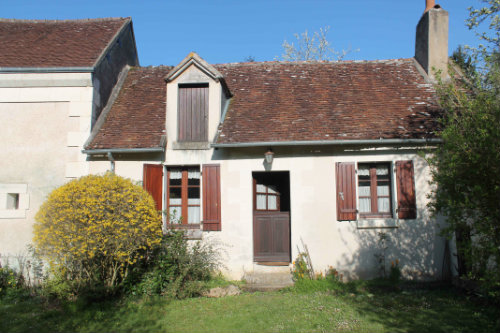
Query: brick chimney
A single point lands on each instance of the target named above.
(431, 44)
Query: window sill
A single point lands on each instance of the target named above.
(192, 231)
(190, 145)
(13, 214)
(378, 223)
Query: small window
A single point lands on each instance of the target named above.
(267, 197)
(374, 188)
(193, 113)
(183, 195)
(12, 201)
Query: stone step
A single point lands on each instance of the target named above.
(262, 281)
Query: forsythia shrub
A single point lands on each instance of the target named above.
(92, 230)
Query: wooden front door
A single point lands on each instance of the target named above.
(271, 217)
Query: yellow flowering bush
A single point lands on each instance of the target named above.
(95, 228)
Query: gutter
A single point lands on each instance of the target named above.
(109, 151)
(46, 69)
(325, 143)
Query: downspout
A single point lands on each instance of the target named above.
(111, 161)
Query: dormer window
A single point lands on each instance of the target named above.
(193, 112)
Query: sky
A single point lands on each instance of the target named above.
(224, 31)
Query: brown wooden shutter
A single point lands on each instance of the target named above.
(193, 113)
(346, 191)
(152, 180)
(211, 197)
(407, 205)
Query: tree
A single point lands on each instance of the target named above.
(466, 167)
(315, 47)
(94, 229)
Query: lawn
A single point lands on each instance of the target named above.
(309, 307)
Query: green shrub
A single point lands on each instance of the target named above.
(177, 269)
(9, 279)
(93, 230)
(301, 268)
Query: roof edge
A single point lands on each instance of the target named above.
(111, 42)
(123, 150)
(46, 69)
(194, 58)
(325, 143)
(104, 114)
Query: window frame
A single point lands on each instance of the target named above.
(184, 186)
(373, 191)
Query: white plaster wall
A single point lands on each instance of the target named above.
(342, 245)
(415, 243)
(44, 121)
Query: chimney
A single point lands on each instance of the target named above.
(431, 44)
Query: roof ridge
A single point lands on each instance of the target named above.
(98, 19)
(312, 62)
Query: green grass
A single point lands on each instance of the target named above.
(316, 306)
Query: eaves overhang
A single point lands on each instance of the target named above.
(47, 69)
(327, 143)
(105, 151)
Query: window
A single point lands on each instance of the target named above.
(266, 197)
(193, 113)
(375, 197)
(183, 195)
(14, 201)
(374, 188)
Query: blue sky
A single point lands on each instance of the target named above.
(223, 31)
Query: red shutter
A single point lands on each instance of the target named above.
(152, 180)
(346, 192)
(211, 197)
(407, 205)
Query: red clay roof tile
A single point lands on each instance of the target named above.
(44, 43)
(137, 117)
(306, 101)
(287, 101)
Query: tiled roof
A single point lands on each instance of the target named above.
(137, 117)
(286, 101)
(278, 101)
(68, 43)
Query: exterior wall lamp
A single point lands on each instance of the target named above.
(269, 156)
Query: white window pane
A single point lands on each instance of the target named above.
(364, 191)
(193, 173)
(383, 205)
(365, 205)
(193, 201)
(174, 201)
(12, 201)
(261, 201)
(363, 170)
(193, 214)
(261, 188)
(175, 214)
(175, 174)
(382, 190)
(382, 170)
(272, 202)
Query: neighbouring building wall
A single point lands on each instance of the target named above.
(44, 121)
(121, 52)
